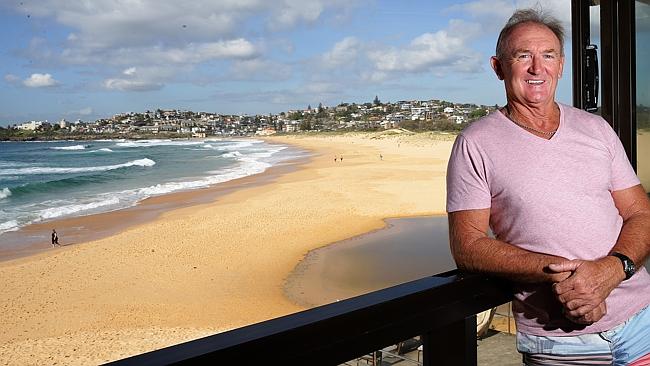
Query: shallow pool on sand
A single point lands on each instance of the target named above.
(406, 249)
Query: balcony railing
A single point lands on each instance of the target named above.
(441, 309)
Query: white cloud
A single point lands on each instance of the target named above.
(236, 48)
(131, 85)
(131, 36)
(110, 24)
(143, 78)
(442, 49)
(493, 14)
(356, 62)
(130, 71)
(294, 11)
(343, 52)
(192, 53)
(40, 81)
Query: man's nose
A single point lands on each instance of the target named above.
(535, 66)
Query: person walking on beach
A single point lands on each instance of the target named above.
(55, 238)
(570, 218)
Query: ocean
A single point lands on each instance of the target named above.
(42, 181)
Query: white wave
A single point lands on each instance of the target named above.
(11, 225)
(243, 170)
(150, 143)
(66, 210)
(237, 145)
(73, 147)
(266, 153)
(10, 164)
(232, 154)
(4, 193)
(209, 147)
(52, 170)
(104, 149)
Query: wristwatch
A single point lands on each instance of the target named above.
(628, 266)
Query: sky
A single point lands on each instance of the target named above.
(93, 59)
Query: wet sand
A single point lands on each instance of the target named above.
(406, 249)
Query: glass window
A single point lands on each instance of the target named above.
(642, 16)
(594, 39)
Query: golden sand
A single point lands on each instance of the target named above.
(202, 269)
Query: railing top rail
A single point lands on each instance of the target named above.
(346, 329)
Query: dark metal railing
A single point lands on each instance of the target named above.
(441, 309)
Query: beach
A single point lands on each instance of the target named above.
(219, 263)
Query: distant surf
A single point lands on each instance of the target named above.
(52, 170)
(41, 181)
(73, 147)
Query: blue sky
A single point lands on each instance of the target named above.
(92, 59)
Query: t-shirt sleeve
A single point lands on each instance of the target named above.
(623, 175)
(467, 186)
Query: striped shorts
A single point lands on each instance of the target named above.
(626, 344)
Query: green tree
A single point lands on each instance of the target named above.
(305, 125)
(477, 113)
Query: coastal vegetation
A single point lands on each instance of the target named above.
(416, 116)
(430, 115)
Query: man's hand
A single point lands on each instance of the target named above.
(592, 316)
(588, 287)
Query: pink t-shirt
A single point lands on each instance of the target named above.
(549, 196)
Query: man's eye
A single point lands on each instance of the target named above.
(523, 56)
(549, 56)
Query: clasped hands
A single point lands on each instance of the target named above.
(582, 287)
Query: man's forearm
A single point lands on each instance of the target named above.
(474, 251)
(491, 256)
(634, 240)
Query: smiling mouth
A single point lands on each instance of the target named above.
(535, 82)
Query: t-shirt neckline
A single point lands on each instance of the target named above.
(531, 135)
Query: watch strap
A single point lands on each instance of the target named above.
(628, 265)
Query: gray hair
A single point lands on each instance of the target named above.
(531, 15)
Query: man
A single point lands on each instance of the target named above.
(569, 215)
(55, 238)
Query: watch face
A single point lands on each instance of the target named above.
(628, 265)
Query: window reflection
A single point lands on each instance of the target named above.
(642, 17)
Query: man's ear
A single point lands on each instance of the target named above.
(496, 66)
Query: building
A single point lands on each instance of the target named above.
(30, 126)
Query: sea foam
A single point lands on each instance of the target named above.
(74, 147)
(54, 212)
(151, 143)
(55, 170)
(4, 193)
(11, 225)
